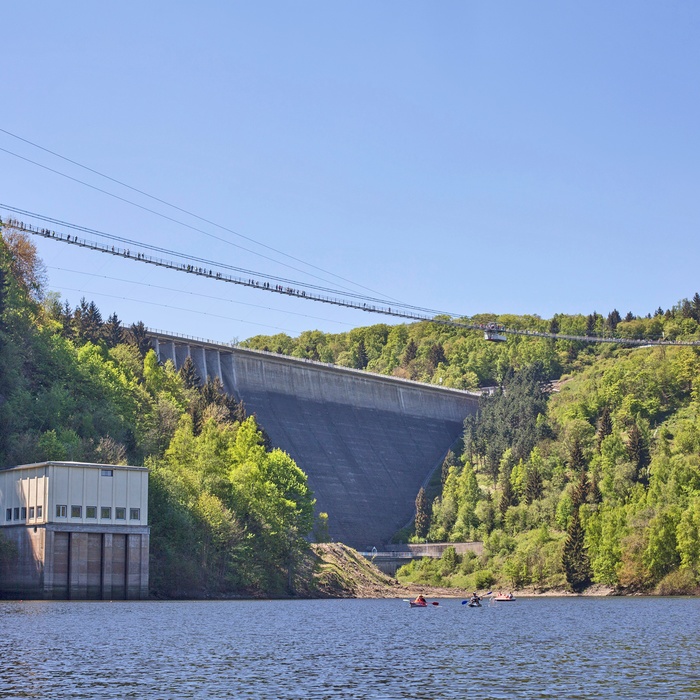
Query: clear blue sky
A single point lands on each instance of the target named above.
(508, 157)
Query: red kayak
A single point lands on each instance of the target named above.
(418, 605)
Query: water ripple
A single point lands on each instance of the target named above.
(356, 649)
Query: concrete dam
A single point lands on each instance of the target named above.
(367, 442)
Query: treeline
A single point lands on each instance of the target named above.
(228, 514)
(584, 465)
(460, 358)
(596, 483)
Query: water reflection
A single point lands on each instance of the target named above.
(537, 648)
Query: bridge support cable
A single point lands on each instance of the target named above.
(210, 264)
(310, 293)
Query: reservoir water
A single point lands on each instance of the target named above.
(532, 648)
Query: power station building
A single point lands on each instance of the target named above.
(77, 531)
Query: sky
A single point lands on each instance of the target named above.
(466, 157)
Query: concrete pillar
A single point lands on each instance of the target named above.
(213, 363)
(78, 566)
(106, 566)
(182, 352)
(228, 373)
(133, 567)
(48, 564)
(143, 583)
(167, 352)
(200, 361)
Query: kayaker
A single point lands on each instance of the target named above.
(420, 600)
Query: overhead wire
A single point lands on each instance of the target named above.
(209, 263)
(176, 308)
(177, 208)
(491, 331)
(197, 294)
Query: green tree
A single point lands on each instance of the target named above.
(575, 560)
(422, 524)
(189, 374)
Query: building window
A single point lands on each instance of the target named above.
(76, 511)
(120, 513)
(134, 513)
(31, 512)
(107, 472)
(61, 511)
(105, 513)
(91, 512)
(24, 513)
(8, 514)
(39, 512)
(16, 513)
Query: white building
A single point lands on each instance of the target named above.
(80, 530)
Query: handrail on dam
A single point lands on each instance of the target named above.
(175, 337)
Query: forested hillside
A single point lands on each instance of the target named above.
(228, 515)
(583, 468)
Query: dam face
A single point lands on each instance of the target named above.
(366, 442)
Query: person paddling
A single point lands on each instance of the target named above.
(420, 600)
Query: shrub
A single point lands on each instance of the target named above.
(484, 579)
(679, 582)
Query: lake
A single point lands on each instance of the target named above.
(531, 648)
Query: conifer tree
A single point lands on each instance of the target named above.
(449, 461)
(188, 373)
(605, 426)
(508, 496)
(410, 353)
(113, 331)
(533, 484)
(696, 307)
(613, 319)
(594, 493)
(436, 355)
(138, 336)
(638, 452)
(575, 562)
(422, 514)
(582, 489)
(554, 326)
(66, 319)
(361, 355)
(577, 461)
(590, 324)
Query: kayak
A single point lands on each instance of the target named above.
(418, 605)
(504, 599)
(475, 605)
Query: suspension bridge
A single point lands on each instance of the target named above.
(219, 272)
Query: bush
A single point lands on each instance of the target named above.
(484, 579)
(679, 582)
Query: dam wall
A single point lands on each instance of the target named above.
(367, 442)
